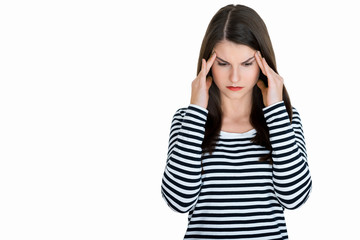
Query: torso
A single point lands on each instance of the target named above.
(237, 198)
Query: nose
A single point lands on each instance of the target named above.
(235, 75)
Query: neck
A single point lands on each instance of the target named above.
(236, 108)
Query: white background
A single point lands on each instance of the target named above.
(88, 90)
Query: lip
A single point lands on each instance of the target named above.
(234, 88)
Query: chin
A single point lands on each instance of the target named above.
(236, 95)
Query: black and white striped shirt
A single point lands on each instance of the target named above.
(237, 196)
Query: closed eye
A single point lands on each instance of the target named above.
(244, 64)
(248, 63)
(221, 63)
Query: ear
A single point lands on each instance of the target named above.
(261, 85)
(208, 82)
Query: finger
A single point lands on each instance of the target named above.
(203, 66)
(272, 75)
(260, 62)
(268, 69)
(210, 62)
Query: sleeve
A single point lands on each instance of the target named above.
(181, 182)
(291, 175)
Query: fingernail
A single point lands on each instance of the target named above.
(258, 53)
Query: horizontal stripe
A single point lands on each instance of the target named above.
(230, 194)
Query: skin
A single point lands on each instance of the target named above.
(237, 71)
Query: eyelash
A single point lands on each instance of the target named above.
(224, 64)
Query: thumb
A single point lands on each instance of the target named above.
(208, 82)
(261, 85)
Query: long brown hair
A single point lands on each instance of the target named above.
(241, 25)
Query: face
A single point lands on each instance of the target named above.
(235, 70)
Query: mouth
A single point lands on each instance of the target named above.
(234, 88)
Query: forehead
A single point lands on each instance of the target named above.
(233, 52)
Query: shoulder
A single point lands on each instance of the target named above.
(180, 113)
(192, 109)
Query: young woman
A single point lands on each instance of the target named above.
(237, 153)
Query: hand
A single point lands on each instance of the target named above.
(201, 84)
(274, 92)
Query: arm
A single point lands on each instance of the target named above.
(181, 181)
(291, 175)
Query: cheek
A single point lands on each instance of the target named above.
(218, 73)
(253, 73)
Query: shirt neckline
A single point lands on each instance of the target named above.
(234, 134)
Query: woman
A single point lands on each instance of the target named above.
(237, 153)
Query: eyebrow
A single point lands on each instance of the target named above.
(242, 62)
